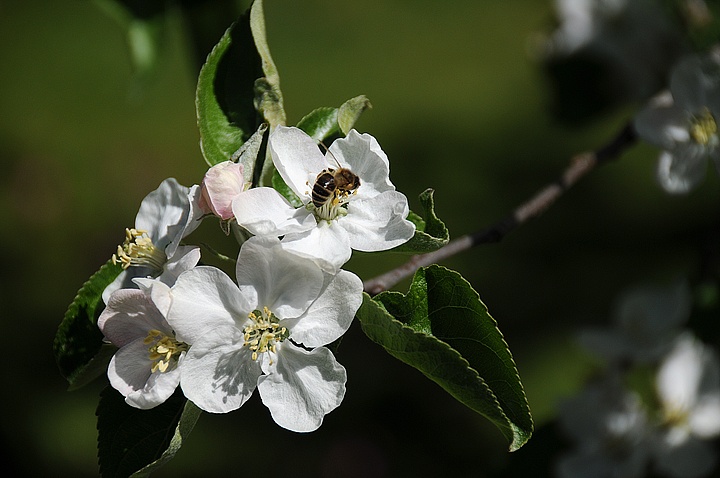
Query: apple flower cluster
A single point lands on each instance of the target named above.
(618, 433)
(177, 322)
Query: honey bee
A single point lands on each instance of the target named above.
(331, 183)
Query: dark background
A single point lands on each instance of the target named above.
(459, 105)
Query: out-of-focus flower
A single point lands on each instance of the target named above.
(647, 320)
(683, 122)
(610, 429)
(635, 39)
(688, 387)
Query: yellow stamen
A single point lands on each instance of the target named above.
(139, 250)
(263, 333)
(703, 128)
(164, 351)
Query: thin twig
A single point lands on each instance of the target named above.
(580, 165)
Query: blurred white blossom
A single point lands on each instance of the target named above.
(609, 428)
(683, 122)
(646, 322)
(688, 387)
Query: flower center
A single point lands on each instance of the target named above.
(164, 350)
(264, 332)
(675, 416)
(139, 250)
(335, 207)
(703, 128)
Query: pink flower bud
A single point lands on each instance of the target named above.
(220, 185)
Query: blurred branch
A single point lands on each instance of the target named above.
(579, 166)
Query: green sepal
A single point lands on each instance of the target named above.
(238, 89)
(78, 339)
(430, 232)
(327, 123)
(442, 328)
(134, 442)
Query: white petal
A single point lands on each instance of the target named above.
(158, 291)
(264, 211)
(129, 315)
(297, 158)
(680, 374)
(379, 223)
(304, 388)
(330, 316)
(693, 80)
(130, 367)
(159, 387)
(328, 245)
(205, 298)
(362, 154)
(278, 279)
(663, 126)
(184, 259)
(189, 221)
(681, 170)
(125, 280)
(704, 420)
(218, 373)
(163, 212)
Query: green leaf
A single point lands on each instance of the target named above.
(326, 123)
(442, 328)
(430, 233)
(134, 442)
(350, 111)
(238, 89)
(248, 154)
(320, 123)
(281, 186)
(78, 338)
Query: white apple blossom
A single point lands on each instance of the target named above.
(152, 248)
(610, 429)
(635, 39)
(683, 122)
(371, 217)
(688, 387)
(146, 368)
(646, 323)
(267, 331)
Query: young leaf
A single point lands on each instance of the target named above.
(442, 328)
(430, 233)
(320, 123)
(134, 442)
(328, 123)
(350, 111)
(78, 338)
(248, 153)
(238, 89)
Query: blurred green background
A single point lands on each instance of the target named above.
(458, 105)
